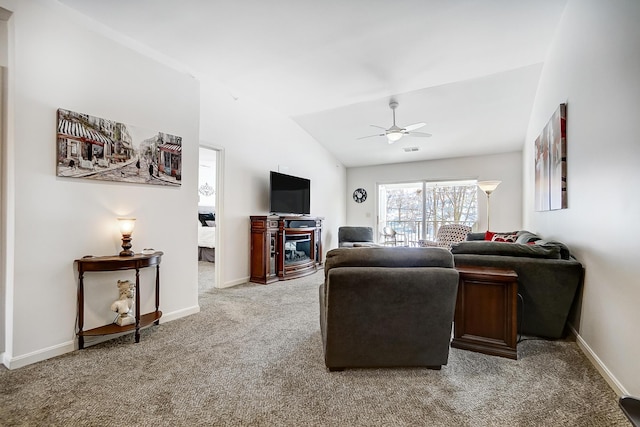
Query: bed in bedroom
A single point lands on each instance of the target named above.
(206, 235)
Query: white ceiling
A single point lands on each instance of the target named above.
(468, 68)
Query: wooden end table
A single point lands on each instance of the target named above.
(116, 263)
(486, 311)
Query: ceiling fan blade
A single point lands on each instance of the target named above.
(371, 136)
(414, 126)
(379, 127)
(422, 134)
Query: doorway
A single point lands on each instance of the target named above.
(209, 223)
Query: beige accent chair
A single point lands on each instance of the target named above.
(447, 235)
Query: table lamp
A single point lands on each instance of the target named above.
(126, 228)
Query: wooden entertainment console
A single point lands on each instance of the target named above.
(284, 247)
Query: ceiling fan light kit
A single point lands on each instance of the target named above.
(395, 133)
(394, 136)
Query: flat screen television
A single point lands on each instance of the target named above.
(289, 194)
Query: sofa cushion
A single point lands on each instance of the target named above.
(507, 249)
(476, 236)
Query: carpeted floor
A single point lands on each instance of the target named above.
(206, 276)
(253, 357)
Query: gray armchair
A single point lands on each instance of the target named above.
(349, 236)
(387, 307)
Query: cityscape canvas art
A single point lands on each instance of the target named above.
(551, 163)
(95, 148)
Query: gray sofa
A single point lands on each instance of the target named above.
(387, 307)
(548, 277)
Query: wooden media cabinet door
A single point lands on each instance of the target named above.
(264, 249)
(486, 311)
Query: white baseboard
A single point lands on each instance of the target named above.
(38, 356)
(234, 283)
(67, 347)
(613, 382)
(168, 317)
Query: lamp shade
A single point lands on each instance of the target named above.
(126, 225)
(488, 186)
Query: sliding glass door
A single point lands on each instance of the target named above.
(416, 210)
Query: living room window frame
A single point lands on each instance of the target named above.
(423, 186)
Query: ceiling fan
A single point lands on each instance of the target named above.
(394, 133)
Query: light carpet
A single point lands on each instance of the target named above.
(253, 357)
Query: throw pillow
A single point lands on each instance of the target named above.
(204, 217)
(488, 235)
(504, 237)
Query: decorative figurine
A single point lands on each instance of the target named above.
(123, 305)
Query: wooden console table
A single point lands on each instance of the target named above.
(486, 311)
(116, 263)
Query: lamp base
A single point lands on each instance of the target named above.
(126, 246)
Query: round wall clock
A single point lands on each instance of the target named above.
(360, 195)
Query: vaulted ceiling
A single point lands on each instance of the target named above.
(469, 69)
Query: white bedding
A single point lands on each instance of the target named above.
(206, 236)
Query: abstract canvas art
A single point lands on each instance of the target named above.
(95, 148)
(551, 163)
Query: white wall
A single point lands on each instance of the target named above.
(257, 140)
(56, 60)
(506, 201)
(594, 66)
(4, 16)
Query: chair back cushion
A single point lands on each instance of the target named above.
(453, 233)
(355, 234)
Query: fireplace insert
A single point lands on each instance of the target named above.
(297, 248)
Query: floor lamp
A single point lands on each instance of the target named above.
(488, 187)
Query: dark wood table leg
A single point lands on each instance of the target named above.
(137, 305)
(157, 322)
(80, 310)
